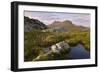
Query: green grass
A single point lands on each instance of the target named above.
(36, 41)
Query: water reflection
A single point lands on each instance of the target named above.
(78, 52)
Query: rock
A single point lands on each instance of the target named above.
(56, 48)
(31, 24)
(55, 51)
(62, 45)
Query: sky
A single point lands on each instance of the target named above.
(81, 19)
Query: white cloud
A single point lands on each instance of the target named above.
(49, 17)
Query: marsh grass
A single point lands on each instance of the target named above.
(36, 41)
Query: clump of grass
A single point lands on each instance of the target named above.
(36, 41)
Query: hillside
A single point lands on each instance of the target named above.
(66, 26)
(31, 24)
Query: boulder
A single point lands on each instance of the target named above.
(54, 49)
(58, 50)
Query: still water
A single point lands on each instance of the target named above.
(78, 52)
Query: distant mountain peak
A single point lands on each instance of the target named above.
(67, 21)
(66, 25)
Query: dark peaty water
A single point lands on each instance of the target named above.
(78, 52)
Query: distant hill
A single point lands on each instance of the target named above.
(30, 24)
(56, 26)
(66, 26)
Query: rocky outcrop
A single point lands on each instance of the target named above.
(54, 52)
(59, 46)
(31, 24)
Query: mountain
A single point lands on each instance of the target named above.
(30, 24)
(66, 26)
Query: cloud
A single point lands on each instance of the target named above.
(49, 17)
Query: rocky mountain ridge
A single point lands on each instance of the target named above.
(31, 24)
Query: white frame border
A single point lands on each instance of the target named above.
(22, 64)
